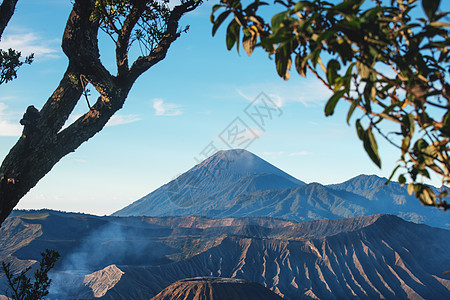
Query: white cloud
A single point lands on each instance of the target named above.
(30, 42)
(122, 119)
(300, 153)
(114, 121)
(166, 109)
(309, 92)
(80, 160)
(7, 127)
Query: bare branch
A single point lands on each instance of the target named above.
(123, 39)
(143, 63)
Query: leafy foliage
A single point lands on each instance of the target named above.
(394, 68)
(148, 30)
(22, 288)
(10, 59)
(10, 63)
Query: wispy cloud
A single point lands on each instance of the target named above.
(166, 109)
(276, 99)
(300, 153)
(7, 127)
(80, 160)
(122, 119)
(309, 92)
(30, 42)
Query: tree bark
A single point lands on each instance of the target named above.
(6, 12)
(43, 142)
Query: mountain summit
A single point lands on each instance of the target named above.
(238, 163)
(237, 183)
(211, 185)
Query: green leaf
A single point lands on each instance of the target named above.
(348, 79)
(326, 35)
(315, 55)
(252, 7)
(299, 5)
(405, 144)
(360, 130)
(446, 124)
(372, 12)
(369, 91)
(371, 147)
(401, 177)
(350, 25)
(331, 104)
(277, 20)
(232, 36)
(283, 61)
(299, 66)
(332, 67)
(352, 109)
(219, 21)
(392, 175)
(214, 9)
(344, 50)
(425, 173)
(430, 7)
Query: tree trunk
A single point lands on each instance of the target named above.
(43, 142)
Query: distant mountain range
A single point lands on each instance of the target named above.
(372, 257)
(237, 183)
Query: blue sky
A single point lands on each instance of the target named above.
(173, 113)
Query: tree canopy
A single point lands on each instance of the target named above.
(9, 59)
(150, 24)
(388, 59)
(21, 286)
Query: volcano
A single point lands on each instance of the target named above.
(211, 185)
(237, 183)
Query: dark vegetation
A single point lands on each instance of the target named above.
(388, 60)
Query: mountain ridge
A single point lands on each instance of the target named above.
(211, 179)
(202, 288)
(237, 183)
(137, 257)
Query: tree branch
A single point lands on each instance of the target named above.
(80, 44)
(143, 63)
(124, 37)
(6, 12)
(42, 143)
